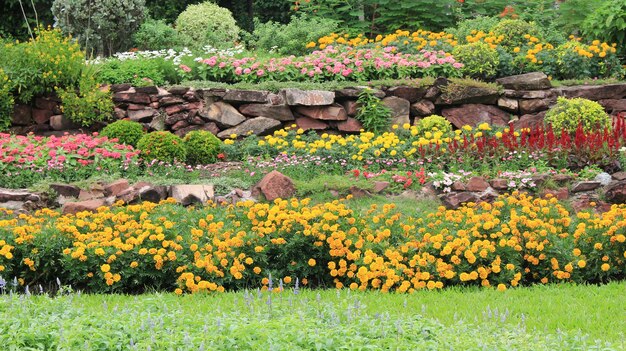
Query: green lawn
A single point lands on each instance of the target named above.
(561, 317)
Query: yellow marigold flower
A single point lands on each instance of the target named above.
(582, 264)
(134, 264)
(605, 267)
(105, 268)
(501, 287)
(178, 291)
(576, 252)
(257, 270)
(287, 279)
(312, 262)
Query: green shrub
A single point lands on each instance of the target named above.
(102, 27)
(202, 147)
(480, 60)
(372, 113)
(291, 39)
(568, 114)
(6, 101)
(162, 146)
(155, 35)
(38, 66)
(608, 23)
(88, 103)
(464, 28)
(138, 72)
(126, 132)
(513, 31)
(434, 123)
(207, 24)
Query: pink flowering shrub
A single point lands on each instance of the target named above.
(26, 160)
(330, 64)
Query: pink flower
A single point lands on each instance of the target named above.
(260, 72)
(185, 68)
(247, 71)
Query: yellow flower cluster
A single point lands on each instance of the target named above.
(515, 240)
(420, 39)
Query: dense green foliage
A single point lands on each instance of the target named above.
(207, 24)
(608, 23)
(140, 72)
(126, 132)
(202, 147)
(372, 113)
(162, 146)
(101, 27)
(291, 38)
(568, 114)
(434, 123)
(155, 35)
(37, 66)
(6, 101)
(480, 60)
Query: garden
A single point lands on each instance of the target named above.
(315, 175)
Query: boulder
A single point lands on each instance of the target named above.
(350, 125)
(277, 112)
(412, 94)
(616, 193)
(475, 114)
(66, 190)
(307, 123)
(585, 186)
(246, 96)
(223, 114)
(117, 88)
(400, 109)
(135, 98)
(477, 184)
(22, 115)
(89, 205)
(41, 116)
(530, 121)
(353, 92)
(359, 193)
(529, 94)
(175, 118)
(46, 103)
(170, 100)
(158, 122)
(613, 106)
(273, 186)
(351, 107)
(178, 90)
(619, 176)
(604, 178)
(59, 122)
(190, 194)
(333, 112)
(422, 108)
(594, 92)
(527, 81)
(435, 90)
(179, 125)
(379, 186)
(528, 106)
(141, 115)
(174, 109)
(115, 188)
(7, 195)
(469, 95)
(499, 184)
(508, 104)
(295, 97)
(151, 89)
(257, 126)
(453, 201)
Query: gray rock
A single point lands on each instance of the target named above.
(223, 114)
(190, 194)
(604, 178)
(295, 97)
(527, 81)
(258, 126)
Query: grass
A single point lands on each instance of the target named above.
(277, 86)
(563, 317)
(588, 81)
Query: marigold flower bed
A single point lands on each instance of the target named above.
(517, 240)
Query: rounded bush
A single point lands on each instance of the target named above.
(155, 35)
(202, 147)
(126, 132)
(162, 146)
(434, 123)
(568, 114)
(466, 27)
(513, 32)
(480, 60)
(207, 24)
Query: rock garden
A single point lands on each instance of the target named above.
(352, 175)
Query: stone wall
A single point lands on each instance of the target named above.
(523, 101)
